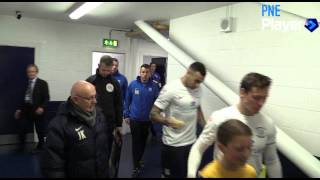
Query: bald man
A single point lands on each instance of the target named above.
(77, 140)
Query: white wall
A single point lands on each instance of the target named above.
(148, 59)
(96, 56)
(139, 50)
(63, 51)
(289, 58)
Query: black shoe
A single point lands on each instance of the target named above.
(136, 173)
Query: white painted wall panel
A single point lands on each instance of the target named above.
(64, 50)
(289, 58)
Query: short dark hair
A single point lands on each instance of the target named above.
(147, 66)
(152, 63)
(115, 59)
(106, 60)
(254, 79)
(199, 67)
(33, 65)
(231, 128)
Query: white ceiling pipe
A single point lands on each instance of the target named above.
(185, 60)
(290, 148)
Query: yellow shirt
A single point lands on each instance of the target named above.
(216, 170)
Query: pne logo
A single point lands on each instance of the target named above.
(270, 9)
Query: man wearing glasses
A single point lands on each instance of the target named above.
(77, 139)
(109, 99)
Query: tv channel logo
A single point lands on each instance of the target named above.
(270, 14)
(311, 24)
(270, 9)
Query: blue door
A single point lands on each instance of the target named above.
(13, 78)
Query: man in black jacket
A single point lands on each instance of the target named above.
(32, 109)
(110, 101)
(77, 140)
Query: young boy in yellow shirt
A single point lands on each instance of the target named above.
(234, 141)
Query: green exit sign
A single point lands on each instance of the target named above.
(110, 42)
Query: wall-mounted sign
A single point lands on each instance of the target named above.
(110, 43)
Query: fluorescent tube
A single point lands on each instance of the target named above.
(83, 9)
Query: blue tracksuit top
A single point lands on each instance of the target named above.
(139, 99)
(156, 77)
(123, 83)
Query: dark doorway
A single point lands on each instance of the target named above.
(161, 63)
(13, 78)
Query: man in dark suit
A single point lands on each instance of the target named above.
(32, 108)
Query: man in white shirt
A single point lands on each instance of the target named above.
(254, 91)
(180, 101)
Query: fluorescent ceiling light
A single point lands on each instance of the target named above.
(83, 9)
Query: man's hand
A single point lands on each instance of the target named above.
(17, 114)
(117, 135)
(175, 123)
(39, 111)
